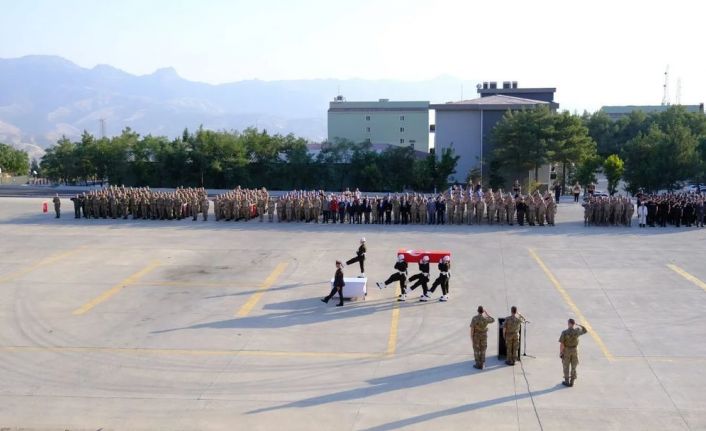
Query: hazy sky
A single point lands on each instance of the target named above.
(595, 52)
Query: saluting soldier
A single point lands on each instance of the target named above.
(479, 336)
(569, 352)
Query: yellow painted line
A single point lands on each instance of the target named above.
(186, 352)
(44, 262)
(134, 278)
(192, 283)
(570, 302)
(688, 276)
(255, 297)
(394, 326)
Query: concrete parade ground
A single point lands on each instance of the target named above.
(181, 325)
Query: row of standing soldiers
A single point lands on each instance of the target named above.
(243, 205)
(141, 203)
(412, 208)
(608, 211)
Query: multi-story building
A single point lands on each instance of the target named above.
(382, 122)
(466, 126)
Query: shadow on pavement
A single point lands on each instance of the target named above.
(297, 312)
(403, 381)
(460, 409)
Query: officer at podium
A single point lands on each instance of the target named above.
(511, 332)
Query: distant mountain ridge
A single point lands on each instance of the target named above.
(44, 97)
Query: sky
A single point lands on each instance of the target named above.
(594, 52)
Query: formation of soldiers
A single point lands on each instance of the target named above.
(243, 205)
(676, 209)
(608, 211)
(456, 206)
(141, 203)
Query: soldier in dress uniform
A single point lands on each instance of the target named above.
(422, 279)
(443, 278)
(359, 257)
(337, 287)
(400, 275)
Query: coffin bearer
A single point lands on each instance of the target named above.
(338, 284)
(400, 275)
(569, 350)
(443, 278)
(422, 279)
(511, 332)
(479, 336)
(360, 257)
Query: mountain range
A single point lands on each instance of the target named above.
(45, 97)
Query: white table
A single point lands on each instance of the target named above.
(356, 287)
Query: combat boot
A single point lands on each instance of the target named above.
(566, 383)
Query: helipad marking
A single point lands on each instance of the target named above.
(570, 302)
(686, 275)
(255, 297)
(134, 278)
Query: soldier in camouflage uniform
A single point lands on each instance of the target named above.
(569, 352)
(271, 210)
(511, 332)
(479, 336)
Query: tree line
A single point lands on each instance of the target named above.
(649, 152)
(660, 150)
(13, 161)
(251, 158)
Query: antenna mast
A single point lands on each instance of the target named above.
(102, 122)
(665, 94)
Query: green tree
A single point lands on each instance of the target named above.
(585, 172)
(522, 140)
(13, 161)
(603, 132)
(570, 143)
(445, 167)
(613, 168)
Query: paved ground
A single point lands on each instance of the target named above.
(141, 325)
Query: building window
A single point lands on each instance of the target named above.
(367, 129)
(401, 140)
(401, 129)
(401, 117)
(367, 140)
(367, 118)
(411, 145)
(412, 141)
